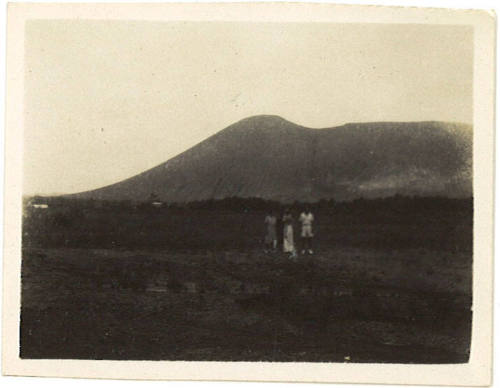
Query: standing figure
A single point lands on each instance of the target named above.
(279, 227)
(306, 219)
(271, 239)
(288, 245)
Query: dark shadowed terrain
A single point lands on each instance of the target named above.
(390, 282)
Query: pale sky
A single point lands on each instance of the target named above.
(107, 100)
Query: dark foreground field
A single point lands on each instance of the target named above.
(387, 284)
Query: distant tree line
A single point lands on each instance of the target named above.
(238, 204)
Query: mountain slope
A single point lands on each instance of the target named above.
(271, 158)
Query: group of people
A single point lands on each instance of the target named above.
(285, 223)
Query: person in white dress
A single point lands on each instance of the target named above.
(306, 219)
(288, 244)
(271, 239)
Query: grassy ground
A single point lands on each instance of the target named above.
(378, 289)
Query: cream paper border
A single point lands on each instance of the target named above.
(476, 373)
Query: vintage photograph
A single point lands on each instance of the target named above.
(247, 191)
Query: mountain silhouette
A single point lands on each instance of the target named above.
(269, 157)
